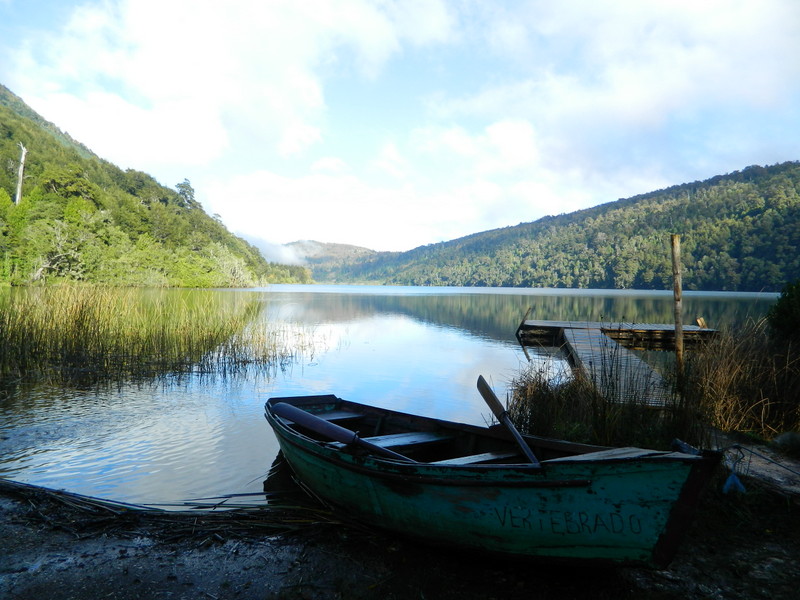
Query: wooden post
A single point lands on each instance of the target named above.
(18, 197)
(677, 292)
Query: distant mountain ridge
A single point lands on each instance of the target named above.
(313, 250)
(740, 232)
(326, 260)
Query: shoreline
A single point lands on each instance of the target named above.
(740, 546)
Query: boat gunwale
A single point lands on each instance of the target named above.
(577, 450)
(528, 475)
(375, 466)
(517, 474)
(496, 431)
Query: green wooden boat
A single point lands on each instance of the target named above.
(472, 487)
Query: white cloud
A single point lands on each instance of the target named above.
(168, 133)
(320, 206)
(343, 209)
(297, 137)
(402, 122)
(329, 164)
(423, 22)
(504, 148)
(391, 161)
(253, 69)
(605, 78)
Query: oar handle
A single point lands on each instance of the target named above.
(331, 430)
(501, 413)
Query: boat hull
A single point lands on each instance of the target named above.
(620, 511)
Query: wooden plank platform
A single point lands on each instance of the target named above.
(618, 374)
(602, 351)
(639, 336)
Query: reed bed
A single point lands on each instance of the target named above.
(83, 334)
(747, 381)
(576, 410)
(740, 381)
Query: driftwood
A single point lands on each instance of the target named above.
(205, 519)
(678, 295)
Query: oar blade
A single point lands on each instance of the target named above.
(500, 412)
(491, 399)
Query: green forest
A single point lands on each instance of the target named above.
(81, 218)
(739, 232)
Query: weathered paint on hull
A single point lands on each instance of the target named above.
(608, 511)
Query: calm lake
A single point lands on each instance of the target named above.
(414, 349)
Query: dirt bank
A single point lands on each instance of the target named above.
(740, 547)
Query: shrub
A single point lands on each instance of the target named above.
(784, 316)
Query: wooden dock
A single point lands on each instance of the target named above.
(602, 351)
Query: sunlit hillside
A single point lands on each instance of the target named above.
(80, 218)
(740, 231)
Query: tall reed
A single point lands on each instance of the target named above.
(740, 381)
(578, 410)
(85, 334)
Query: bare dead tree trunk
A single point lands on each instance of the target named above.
(18, 197)
(678, 293)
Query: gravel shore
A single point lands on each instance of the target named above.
(741, 546)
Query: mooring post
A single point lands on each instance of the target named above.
(677, 292)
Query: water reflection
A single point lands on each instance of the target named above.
(413, 349)
(145, 443)
(398, 362)
(495, 313)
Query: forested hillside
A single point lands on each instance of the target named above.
(739, 231)
(81, 218)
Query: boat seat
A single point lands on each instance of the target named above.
(475, 459)
(338, 415)
(331, 415)
(613, 454)
(397, 440)
(412, 438)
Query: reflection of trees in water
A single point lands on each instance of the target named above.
(497, 315)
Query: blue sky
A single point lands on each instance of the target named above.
(392, 124)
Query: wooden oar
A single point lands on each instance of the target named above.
(331, 430)
(502, 415)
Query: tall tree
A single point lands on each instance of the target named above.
(186, 192)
